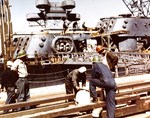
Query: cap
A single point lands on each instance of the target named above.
(99, 49)
(21, 54)
(9, 64)
(82, 69)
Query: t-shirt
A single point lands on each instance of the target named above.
(20, 66)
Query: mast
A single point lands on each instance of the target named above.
(5, 31)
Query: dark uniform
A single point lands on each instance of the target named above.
(75, 26)
(84, 27)
(8, 80)
(65, 26)
(72, 81)
(102, 77)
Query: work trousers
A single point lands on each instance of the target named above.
(11, 97)
(110, 89)
(23, 91)
(70, 89)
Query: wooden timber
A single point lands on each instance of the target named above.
(36, 102)
(131, 98)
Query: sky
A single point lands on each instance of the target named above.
(90, 11)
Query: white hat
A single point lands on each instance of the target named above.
(82, 69)
(9, 64)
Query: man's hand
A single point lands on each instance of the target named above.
(77, 87)
(2, 90)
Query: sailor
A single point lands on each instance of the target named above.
(65, 26)
(22, 83)
(102, 77)
(75, 26)
(75, 79)
(84, 26)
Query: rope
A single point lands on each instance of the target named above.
(49, 79)
(46, 74)
(44, 82)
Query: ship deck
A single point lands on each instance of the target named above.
(59, 89)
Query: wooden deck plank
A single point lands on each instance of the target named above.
(125, 93)
(60, 112)
(36, 110)
(36, 102)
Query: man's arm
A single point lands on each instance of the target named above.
(84, 80)
(112, 60)
(74, 79)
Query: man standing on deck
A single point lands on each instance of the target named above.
(108, 58)
(102, 76)
(22, 83)
(8, 80)
(84, 27)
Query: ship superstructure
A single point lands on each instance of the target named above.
(61, 44)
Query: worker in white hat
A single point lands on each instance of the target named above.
(8, 81)
(73, 79)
